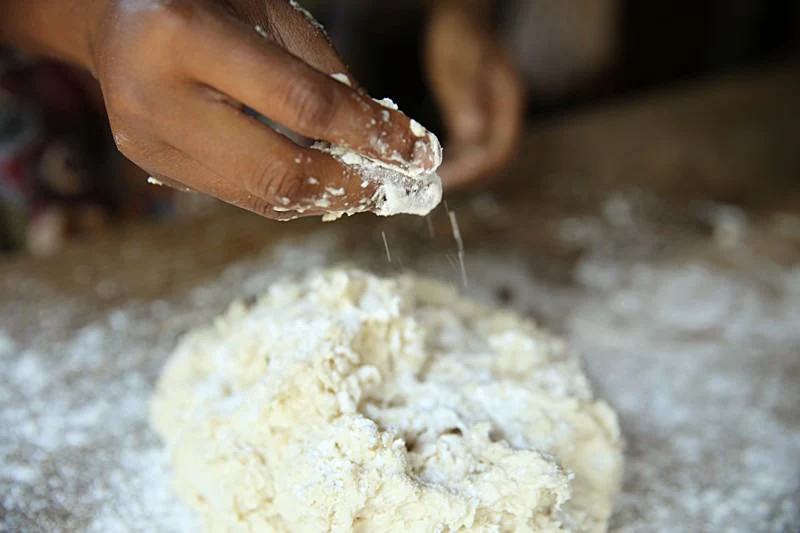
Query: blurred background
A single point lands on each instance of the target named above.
(572, 52)
(61, 176)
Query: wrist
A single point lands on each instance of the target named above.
(60, 29)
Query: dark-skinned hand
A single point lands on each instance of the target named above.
(178, 75)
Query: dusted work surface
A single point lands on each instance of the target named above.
(614, 231)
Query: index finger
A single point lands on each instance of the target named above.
(224, 54)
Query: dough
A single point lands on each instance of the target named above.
(348, 402)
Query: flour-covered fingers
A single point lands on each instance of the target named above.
(230, 58)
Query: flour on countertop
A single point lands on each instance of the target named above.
(78, 454)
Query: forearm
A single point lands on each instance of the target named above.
(52, 28)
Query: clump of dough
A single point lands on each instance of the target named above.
(347, 402)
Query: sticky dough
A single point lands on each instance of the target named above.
(346, 402)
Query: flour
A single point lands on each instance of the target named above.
(459, 244)
(386, 246)
(341, 77)
(417, 129)
(349, 402)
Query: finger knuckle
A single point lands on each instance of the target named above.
(129, 101)
(274, 182)
(314, 104)
(158, 25)
(259, 206)
(167, 19)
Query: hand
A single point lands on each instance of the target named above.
(177, 76)
(478, 90)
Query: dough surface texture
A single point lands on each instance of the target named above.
(348, 402)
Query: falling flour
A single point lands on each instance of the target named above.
(348, 402)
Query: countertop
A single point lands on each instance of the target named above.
(659, 235)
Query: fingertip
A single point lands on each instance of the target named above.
(398, 140)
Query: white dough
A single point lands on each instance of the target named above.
(347, 402)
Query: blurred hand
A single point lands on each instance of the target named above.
(178, 75)
(563, 46)
(478, 90)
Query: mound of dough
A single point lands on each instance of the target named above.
(348, 402)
